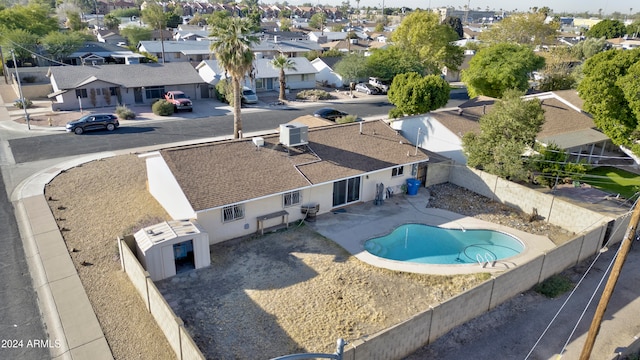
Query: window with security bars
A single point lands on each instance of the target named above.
(232, 212)
(397, 171)
(291, 198)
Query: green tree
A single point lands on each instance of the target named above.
(285, 24)
(607, 28)
(111, 22)
(379, 27)
(413, 94)
(218, 17)
(60, 45)
(391, 61)
(499, 67)
(135, 34)
(608, 99)
(589, 47)
(232, 48)
(125, 13)
(283, 63)
(456, 25)
(633, 29)
(551, 165)
(522, 28)
(74, 22)
(506, 131)
(317, 21)
(22, 42)
(421, 32)
(557, 70)
(154, 16)
(32, 18)
(352, 67)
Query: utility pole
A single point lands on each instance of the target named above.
(611, 284)
(22, 99)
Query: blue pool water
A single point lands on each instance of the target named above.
(434, 245)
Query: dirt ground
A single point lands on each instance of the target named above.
(263, 296)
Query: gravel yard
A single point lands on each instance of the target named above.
(262, 296)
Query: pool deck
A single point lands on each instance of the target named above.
(351, 226)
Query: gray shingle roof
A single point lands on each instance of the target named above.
(191, 46)
(135, 75)
(217, 174)
(264, 69)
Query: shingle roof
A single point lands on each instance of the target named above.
(191, 46)
(264, 69)
(217, 174)
(135, 75)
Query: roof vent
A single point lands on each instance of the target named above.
(258, 141)
(294, 134)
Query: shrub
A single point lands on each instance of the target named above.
(313, 95)
(19, 103)
(346, 119)
(224, 92)
(554, 286)
(162, 108)
(125, 113)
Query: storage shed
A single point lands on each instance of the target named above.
(172, 247)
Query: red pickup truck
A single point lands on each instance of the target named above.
(179, 100)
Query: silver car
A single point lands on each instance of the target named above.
(249, 96)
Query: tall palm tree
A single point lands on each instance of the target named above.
(232, 48)
(283, 63)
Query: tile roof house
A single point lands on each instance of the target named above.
(108, 85)
(234, 188)
(565, 125)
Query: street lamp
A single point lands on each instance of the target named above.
(22, 99)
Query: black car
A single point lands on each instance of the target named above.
(93, 122)
(329, 114)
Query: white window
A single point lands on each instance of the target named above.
(291, 198)
(232, 212)
(397, 171)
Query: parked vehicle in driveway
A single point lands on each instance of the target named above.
(91, 122)
(367, 89)
(382, 86)
(249, 96)
(329, 114)
(179, 100)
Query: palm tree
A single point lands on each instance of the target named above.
(283, 63)
(232, 48)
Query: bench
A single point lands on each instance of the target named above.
(282, 213)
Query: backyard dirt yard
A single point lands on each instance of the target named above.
(262, 296)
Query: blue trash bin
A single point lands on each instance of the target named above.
(412, 186)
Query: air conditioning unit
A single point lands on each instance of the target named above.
(294, 134)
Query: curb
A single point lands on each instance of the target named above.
(71, 324)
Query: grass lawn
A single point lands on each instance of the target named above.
(613, 180)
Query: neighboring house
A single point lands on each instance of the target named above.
(93, 52)
(231, 188)
(266, 77)
(359, 46)
(325, 73)
(290, 48)
(177, 51)
(327, 36)
(112, 37)
(191, 34)
(109, 85)
(455, 75)
(565, 125)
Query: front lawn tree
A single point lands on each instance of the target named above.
(421, 32)
(522, 28)
(352, 67)
(391, 61)
(232, 49)
(499, 67)
(610, 89)
(552, 166)
(154, 16)
(317, 21)
(413, 94)
(60, 45)
(506, 132)
(283, 63)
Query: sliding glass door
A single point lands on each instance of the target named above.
(346, 191)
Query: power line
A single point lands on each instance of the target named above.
(16, 45)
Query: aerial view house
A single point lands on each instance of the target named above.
(265, 75)
(565, 125)
(97, 53)
(271, 48)
(326, 75)
(240, 187)
(177, 51)
(108, 85)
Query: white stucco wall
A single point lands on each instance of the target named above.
(434, 136)
(164, 187)
(326, 74)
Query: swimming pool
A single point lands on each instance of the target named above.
(426, 244)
